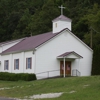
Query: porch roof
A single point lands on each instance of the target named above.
(71, 54)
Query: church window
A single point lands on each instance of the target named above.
(6, 65)
(16, 64)
(28, 63)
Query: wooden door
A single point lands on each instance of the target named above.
(67, 68)
(61, 68)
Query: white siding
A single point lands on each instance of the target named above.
(5, 46)
(28, 55)
(46, 55)
(22, 62)
(6, 57)
(60, 25)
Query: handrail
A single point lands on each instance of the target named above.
(76, 72)
(47, 72)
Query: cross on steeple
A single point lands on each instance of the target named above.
(61, 7)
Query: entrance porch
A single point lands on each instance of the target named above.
(66, 61)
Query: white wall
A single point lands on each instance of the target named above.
(7, 45)
(28, 55)
(5, 57)
(22, 62)
(61, 25)
(46, 55)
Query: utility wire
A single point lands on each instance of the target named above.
(94, 30)
(91, 36)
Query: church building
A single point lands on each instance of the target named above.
(51, 54)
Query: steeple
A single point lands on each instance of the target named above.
(61, 23)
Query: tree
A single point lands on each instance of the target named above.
(93, 21)
(96, 62)
(21, 29)
(41, 21)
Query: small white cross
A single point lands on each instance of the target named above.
(61, 9)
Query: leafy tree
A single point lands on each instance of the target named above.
(93, 21)
(20, 30)
(41, 21)
(20, 18)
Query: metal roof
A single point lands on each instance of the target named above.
(68, 53)
(8, 42)
(62, 17)
(30, 43)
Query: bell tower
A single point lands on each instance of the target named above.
(61, 22)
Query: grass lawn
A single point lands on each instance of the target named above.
(87, 88)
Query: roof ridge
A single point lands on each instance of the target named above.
(30, 39)
(62, 17)
(41, 34)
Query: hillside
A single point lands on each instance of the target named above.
(72, 88)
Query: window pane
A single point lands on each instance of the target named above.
(6, 65)
(17, 63)
(29, 63)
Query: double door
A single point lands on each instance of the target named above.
(67, 68)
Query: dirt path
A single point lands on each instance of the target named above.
(1, 98)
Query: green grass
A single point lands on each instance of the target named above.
(20, 89)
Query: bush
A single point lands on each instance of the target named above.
(16, 77)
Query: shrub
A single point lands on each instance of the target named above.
(16, 77)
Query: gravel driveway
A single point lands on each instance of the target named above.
(6, 98)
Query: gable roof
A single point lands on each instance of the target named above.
(30, 43)
(33, 42)
(62, 17)
(68, 53)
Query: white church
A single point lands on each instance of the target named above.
(56, 53)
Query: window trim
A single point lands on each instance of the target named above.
(27, 63)
(6, 68)
(15, 64)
